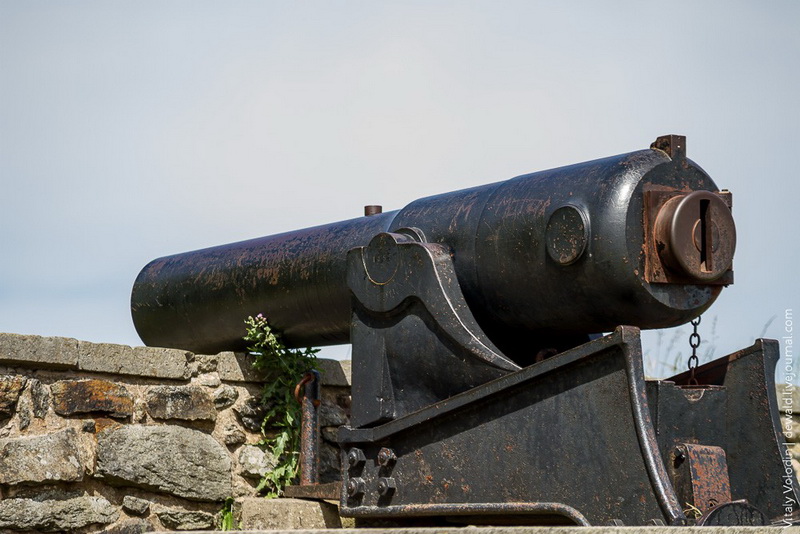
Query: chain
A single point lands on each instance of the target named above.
(694, 342)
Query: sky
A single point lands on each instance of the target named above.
(134, 130)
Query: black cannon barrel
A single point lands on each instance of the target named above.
(564, 251)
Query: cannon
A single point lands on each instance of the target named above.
(483, 388)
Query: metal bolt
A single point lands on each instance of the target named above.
(386, 486)
(355, 457)
(356, 486)
(386, 457)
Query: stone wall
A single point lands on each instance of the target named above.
(101, 437)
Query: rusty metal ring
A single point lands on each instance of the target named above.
(308, 377)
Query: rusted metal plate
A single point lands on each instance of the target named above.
(705, 474)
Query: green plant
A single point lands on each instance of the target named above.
(226, 521)
(284, 367)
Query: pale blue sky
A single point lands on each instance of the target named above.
(131, 130)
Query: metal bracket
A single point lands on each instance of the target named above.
(700, 475)
(409, 313)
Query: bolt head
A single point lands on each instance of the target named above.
(386, 457)
(355, 486)
(355, 457)
(386, 485)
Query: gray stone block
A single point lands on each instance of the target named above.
(251, 413)
(233, 435)
(40, 398)
(335, 372)
(225, 397)
(255, 462)
(56, 515)
(210, 380)
(329, 464)
(135, 505)
(238, 367)
(178, 519)
(152, 362)
(130, 526)
(39, 352)
(285, 514)
(188, 403)
(169, 459)
(46, 458)
(331, 414)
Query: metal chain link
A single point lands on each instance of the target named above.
(694, 342)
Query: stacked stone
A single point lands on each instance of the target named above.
(138, 439)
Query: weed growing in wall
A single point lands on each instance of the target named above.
(284, 368)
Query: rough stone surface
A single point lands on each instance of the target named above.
(10, 388)
(130, 526)
(210, 380)
(40, 398)
(72, 397)
(135, 505)
(24, 412)
(139, 361)
(330, 433)
(139, 411)
(189, 403)
(56, 515)
(334, 372)
(233, 435)
(175, 518)
(49, 457)
(285, 514)
(206, 363)
(237, 367)
(225, 397)
(39, 352)
(251, 413)
(255, 462)
(331, 414)
(171, 459)
(329, 464)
